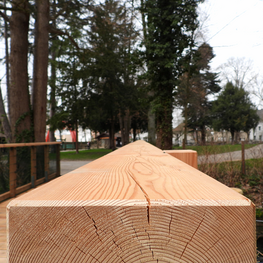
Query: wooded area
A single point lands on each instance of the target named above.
(134, 204)
(111, 66)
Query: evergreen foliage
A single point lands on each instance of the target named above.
(233, 111)
(170, 24)
(202, 84)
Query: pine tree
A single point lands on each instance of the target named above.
(233, 111)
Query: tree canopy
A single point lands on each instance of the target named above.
(169, 24)
(107, 72)
(195, 90)
(233, 111)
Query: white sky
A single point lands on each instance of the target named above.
(235, 29)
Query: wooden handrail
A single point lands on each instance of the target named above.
(13, 187)
(11, 145)
(136, 204)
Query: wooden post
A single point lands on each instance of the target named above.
(243, 158)
(187, 156)
(46, 160)
(58, 159)
(12, 171)
(33, 166)
(136, 204)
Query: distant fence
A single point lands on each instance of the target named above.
(26, 165)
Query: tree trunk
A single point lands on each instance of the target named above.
(53, 78)
(53, 94)
(125, 123)
(4, 120)
(19, 94)
(40, 70)
(203, 133)
(151, 113)
(111, 133)
(233, 136)
(77, 138)
(127, 127)
(134, 132)
(7, 63)
(121, 128)
(164, 127)
(151, 126)
(185, 127)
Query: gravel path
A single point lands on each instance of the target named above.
(68, 166)
(251, 153)
(254, 152)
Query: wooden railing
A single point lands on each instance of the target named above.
(10, 156)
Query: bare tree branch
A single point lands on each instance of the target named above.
(6, 18)
(64, 33)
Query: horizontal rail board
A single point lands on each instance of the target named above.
(14, 145)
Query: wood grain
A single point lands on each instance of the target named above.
(187, 156)
(136, 204)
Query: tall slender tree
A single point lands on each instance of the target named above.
(170, 24)
(40, 78)
(20, 111)
(112, 37)
(201, 84)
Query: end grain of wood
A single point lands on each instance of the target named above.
(136, 204)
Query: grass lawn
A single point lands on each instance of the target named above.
(215, 149)
(201, 150)
(91, 154)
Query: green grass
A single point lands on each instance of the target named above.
(84, 155)
(201, 150)
(215, 149)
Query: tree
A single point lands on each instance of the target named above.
(233, 111)
(111, 69)
(203, 84)
(239, 71)
(4, 118)
(20, 111)
(151, 113)
(26, 118)
(40, 78)
(165, 46)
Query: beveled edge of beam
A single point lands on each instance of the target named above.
(117, 202)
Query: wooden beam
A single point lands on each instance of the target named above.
(136, 204)
(187, 156)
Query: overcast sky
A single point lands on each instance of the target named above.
(235, 29)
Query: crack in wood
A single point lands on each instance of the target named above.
(193, 234)
(170, 223)
(145, 195)
(94, 224)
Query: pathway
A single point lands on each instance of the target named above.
(251, 153)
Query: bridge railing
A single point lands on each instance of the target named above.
(26, 165)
